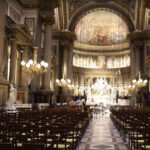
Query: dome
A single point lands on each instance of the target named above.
(101, 27)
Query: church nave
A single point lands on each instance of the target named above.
(102, 135)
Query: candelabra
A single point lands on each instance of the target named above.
(140, 82)
(33, 67)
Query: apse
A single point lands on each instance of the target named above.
(101, 27)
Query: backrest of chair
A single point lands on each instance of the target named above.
(33, 147)
(6, 146)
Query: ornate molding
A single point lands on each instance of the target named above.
(123, 12)
(99, 53)
(87, 47)
(101, 72)
(20, 32)
(49, 4)
(65, 36)
(139, 36)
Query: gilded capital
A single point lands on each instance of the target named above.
(47, 17)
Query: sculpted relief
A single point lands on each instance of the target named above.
(101, 61)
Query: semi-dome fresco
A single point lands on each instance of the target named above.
(101, 27)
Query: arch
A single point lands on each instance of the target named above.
(120, 10)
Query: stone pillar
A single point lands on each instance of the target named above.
(140, 9)
(138, 42)
(3, 83)
(66, 50)
(24, 76)
(47, 54)
(66, 53)
(2, 30)
(138, 52)
(65, 62)
(132, 58)
(5, 58)
(70, 61)
(13, 61)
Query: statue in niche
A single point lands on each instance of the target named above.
(121, 62)
(88, 61)
(127, 60)
(101, 61)
(91, 62)
(125, 63)
(85, 63)
(115, 63)
(110, 62)
(94, 64)
(81, 64)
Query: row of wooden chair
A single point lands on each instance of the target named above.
(134, 124)
(57, 128)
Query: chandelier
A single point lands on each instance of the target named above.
(63, 82)
(33, 67)
(140, 82)
(130, 87)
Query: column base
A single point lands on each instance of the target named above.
(4, 84)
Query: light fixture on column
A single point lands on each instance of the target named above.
(140, 82)
(130, 87)
(33, 67)
(71, 87)
(63, 82)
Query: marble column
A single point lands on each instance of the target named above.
(70, 62)
(47, 54)
(13, 61)
(138, 52)
(24, 76)
(5, 57)
(2, 30)
(3, 82)
(132, 58)
(65, 62)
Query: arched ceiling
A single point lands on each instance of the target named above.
(101, 27)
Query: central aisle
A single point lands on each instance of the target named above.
(102, 135)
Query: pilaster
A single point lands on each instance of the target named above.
(3, 83)
(13, 61)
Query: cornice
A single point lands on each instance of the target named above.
(64, 35)
(99, 53)
(101, 72)
(87, 47)
(21, 33)
(139, 35)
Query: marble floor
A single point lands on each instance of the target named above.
(102, 135)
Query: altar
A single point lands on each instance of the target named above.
(105, 100)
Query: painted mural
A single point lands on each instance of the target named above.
(101, 27)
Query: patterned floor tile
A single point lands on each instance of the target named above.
(102, 135)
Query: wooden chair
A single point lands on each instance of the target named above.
(33, 147)
(6, 146)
